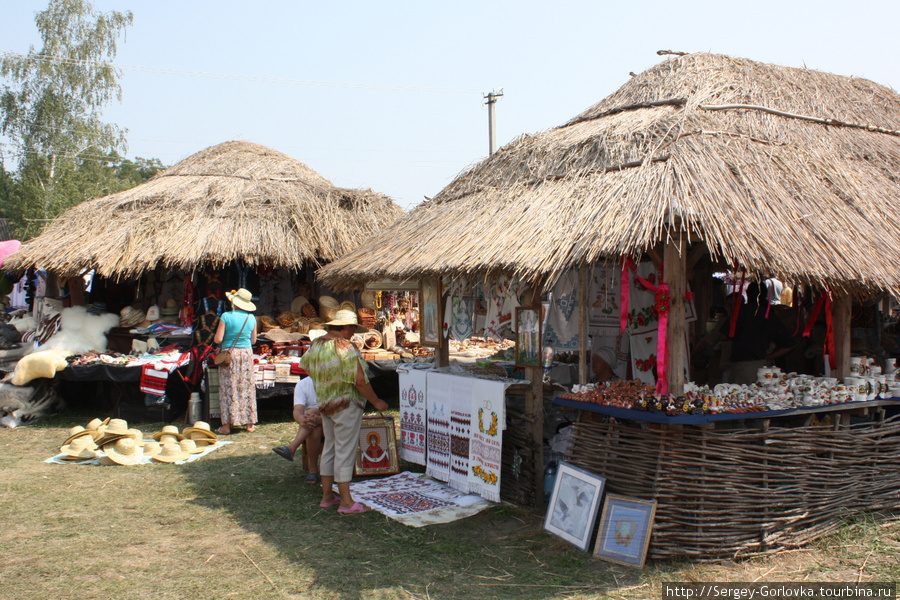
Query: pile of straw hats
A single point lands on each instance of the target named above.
(169, 312)
(122, 445)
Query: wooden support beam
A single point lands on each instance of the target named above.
(841, 307)
(675, 275)
(584, 286)
(534, 406)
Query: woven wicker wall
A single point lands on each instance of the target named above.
(744, 492)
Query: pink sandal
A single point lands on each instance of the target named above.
(335, 502)
(353, 510)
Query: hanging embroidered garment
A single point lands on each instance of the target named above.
(412, 414)
(488, 420)
(562, 322)
(439, 391)
(460, 421)
(603, 300)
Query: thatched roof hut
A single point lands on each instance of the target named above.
(786, 172)
(233, 201)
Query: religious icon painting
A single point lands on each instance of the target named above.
(625, 526)
(377, 450)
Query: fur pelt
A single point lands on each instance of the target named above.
(21, 405)
(81, 331)
(43, 363)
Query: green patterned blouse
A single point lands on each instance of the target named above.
(332, 364)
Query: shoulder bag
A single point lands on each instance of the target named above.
(223, 357)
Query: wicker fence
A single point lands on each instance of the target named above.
(744, 492)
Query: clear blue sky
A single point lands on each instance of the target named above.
(406, 113)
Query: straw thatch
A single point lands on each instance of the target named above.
(704, 146)
(234, 201)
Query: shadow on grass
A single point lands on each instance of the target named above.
(499, 553)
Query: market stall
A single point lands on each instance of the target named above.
(701, 164)
(161, 255)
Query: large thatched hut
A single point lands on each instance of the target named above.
(236, 201)
(783, 171)
(702, 162)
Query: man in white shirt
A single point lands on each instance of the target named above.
(306, 413)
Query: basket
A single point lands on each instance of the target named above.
(372, 339)
(287, 318)
(266, 323)
(367, 317)
(347, 305)
(309, 311)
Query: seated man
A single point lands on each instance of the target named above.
(306, 413)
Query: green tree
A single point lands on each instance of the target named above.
(52, 104)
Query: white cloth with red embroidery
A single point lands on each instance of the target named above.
(155, 372)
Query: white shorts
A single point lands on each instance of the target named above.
(305, 394)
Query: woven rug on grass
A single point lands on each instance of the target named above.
(101, 457)
(417, 500)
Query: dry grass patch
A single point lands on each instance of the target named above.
(242, 524)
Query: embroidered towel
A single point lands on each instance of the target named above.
(460, 430)
(412, 414)
(486, 439)
(439, 392)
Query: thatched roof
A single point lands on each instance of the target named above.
(233, 201)
(711, 146)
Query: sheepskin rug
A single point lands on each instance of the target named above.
(80, 332)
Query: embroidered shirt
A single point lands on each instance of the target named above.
(332, 364)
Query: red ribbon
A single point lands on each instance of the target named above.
(824, 300)
(662, 348)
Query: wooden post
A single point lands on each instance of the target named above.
(534, 407)
(841, 306)
(584, 285)
(674, 274)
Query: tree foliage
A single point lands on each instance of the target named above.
(51, 105)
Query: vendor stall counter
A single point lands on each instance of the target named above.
(744, 484)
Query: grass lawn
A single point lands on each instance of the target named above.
(240, 523)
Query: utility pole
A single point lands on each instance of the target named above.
(490, 100)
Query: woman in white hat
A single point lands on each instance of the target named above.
(342, 389)
(237, 390)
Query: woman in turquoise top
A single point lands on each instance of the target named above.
(237, 390)
(342, 389)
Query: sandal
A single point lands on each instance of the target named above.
(221, 431)
(251, 428)
(284, 452)
(334, 502)
(354, 510)
(314, 479)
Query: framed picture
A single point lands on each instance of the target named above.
(572, 511)
(377, 450)
(625, 526)
(528, 337)
(430, 320)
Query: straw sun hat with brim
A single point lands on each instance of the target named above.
(116, 429)
(152, 448)
(79, 431)
(347, 317)
(124, 452)
(171, 453)
(80, 448)
(242, 299)
(201, 429)
(328, 306)
(168, 430)
(130, 316)
(191, 447)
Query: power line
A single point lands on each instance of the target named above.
(253, 78)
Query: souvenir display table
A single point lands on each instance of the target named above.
(744, 484)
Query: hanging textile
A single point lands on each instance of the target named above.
(603, 300)
(488, 420)
(460, 421)
(561, 332)
(412, 414)
(439, 390)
